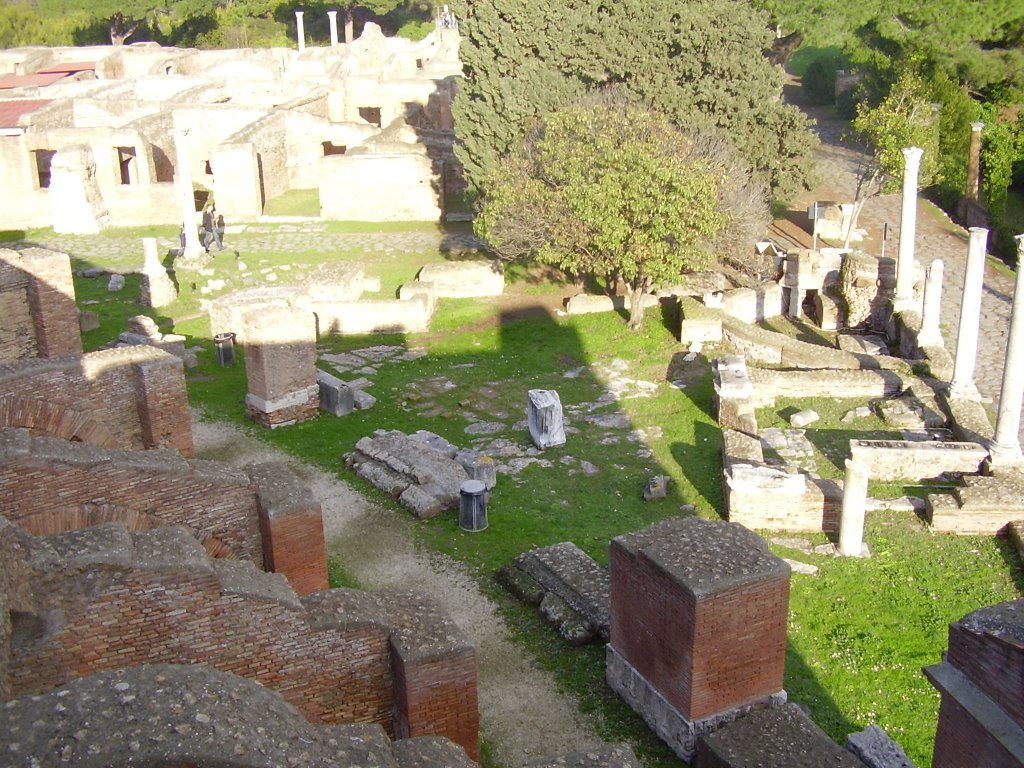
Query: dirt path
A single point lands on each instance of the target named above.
(523, 714)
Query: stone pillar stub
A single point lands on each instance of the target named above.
(157, 287)
(904, 298)
(962, 385)
(280, 366)
(1005, 449)
(300, 31)
(332, 18)
(544, 416)
(698, 626)
(931, 335)
(851, 522)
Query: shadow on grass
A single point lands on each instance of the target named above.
(702, 463)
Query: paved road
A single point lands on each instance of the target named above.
(937, 238)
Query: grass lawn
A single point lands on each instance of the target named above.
(859, 632)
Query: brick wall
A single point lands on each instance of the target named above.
(37, 301)
(133, 397)
(993, 662)
(224, 508)
(117, 599)
(962, 741)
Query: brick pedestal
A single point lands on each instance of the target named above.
(698, 633)
(280, 364)
(981, 718)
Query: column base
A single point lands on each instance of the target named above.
(967, 391)
(677, 731)
(1005, 456)
(302, 405)
(193, 258)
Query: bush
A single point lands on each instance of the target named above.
(820, 80)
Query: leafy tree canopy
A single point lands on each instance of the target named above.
(606, 189)
(699, 62)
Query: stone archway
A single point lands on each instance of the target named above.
(42, 417)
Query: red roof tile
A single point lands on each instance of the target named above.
(24, 81)
(11, 111)
(69, 68)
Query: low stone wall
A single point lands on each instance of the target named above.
(155, 596)
(134, 716)
(263, 514)
(770, 384)
(983, 504)
(465, 279)
(130, 397)
(906, 460)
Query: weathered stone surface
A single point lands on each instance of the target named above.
(425, 480)
(605, 756)
(782, 737)
(544, 416)
(521, 584)
(115, 283)
(877, 749)
(430, 752)
(982, 504)
(479, 467)
(803, 418)
(912, 460)
(571, 625)
(656, 488)
(575, 578)
(464, 279)
(335, 395)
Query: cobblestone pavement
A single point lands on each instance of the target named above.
(936, 238)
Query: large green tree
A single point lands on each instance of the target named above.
(699, 62)
(606, 189)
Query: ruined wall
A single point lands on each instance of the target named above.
(116, 599)
(130, 397)
(380, 187)
(37, 303)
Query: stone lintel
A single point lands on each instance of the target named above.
(292, 399)
(704, 557)
(679, 733)
(953, 683)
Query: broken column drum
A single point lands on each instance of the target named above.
(473, 506)
(544, 415)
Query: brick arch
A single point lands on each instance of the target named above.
(42, 417)
(72, 518)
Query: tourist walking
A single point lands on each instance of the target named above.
(209, 224)
(218, 232)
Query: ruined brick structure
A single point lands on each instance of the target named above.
(263, 514)
(981, 718)
(280, 365)
(37, 304)
(103, 598)
(698, 629)
(129, 397)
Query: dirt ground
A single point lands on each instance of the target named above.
(523, 713)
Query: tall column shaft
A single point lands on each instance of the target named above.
(904, 298)
(332, 18)
(930, 335)
(962, 384)
(1006, 448)
(300, 31)
(974, 161)
(183, 179)
(851, 523)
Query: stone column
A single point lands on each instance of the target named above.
(332, 18)
(851, 523)
(300, 31)
(930, 335)
(904, 298)
(183, 177)
(974, 161)
(1005, 449)
(962, 384)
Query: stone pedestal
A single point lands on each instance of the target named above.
(904, 298)
(962, 385)
(1005, 449)
(698, 626)
(544, 415)
(280, 365)
(157, 287)
(851, 522)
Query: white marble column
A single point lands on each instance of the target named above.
(332, 18)
(930, 335)
(1005, 449)
(183, 180)
(300, 31)
(963, 384)
(904, 298)
(851, 523)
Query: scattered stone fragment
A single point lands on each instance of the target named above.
(805, 568)
(803, 418)
(115, 283)
(656, 488)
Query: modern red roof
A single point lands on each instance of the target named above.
(69, 68)
(11, 111)
(24, 81)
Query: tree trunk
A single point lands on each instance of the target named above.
(858, 206)
(121, 28)
(637, 291)
(349, 27)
